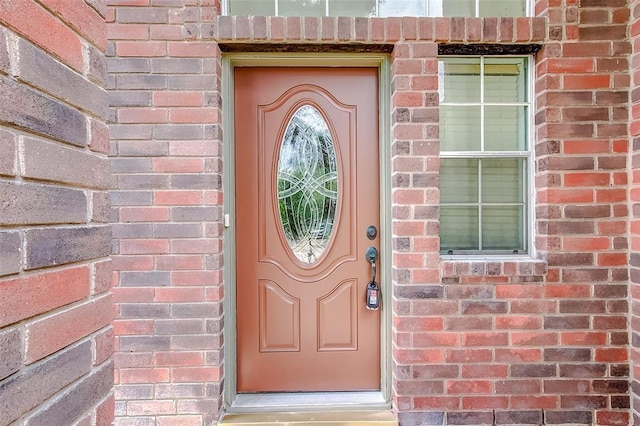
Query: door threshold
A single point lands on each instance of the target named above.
(313, 418)
(307, 401)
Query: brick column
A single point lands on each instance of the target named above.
(56, 340)
(634, 219)
(166, 157)
(581, 149)
(415, 198)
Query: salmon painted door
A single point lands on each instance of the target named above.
(307, 190)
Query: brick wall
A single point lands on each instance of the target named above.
(56, 340)
(527, 342)
(166, 148)
(506, 342)
(582, 147)
(634, 198)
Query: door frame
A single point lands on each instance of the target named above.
(300, 402)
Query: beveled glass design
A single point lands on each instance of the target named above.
(307, 184)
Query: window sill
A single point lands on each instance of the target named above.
(488, 258)
(492, 269)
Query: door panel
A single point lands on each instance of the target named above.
(306, 143)
(279, 319)
(338, 318)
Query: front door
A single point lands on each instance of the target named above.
(307, 193)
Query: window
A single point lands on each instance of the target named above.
(485, 155)
(477, 8)
(381, 8)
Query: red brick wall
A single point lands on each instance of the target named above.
(634, 198)
(56, 341)
(507, 342)
(166, 148)
(582, 147)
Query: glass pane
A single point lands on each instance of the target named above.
(502, 8)
(302, 7)
(307, 184)
(434, 8)
(458, 180)
(502, 228)
(459, 228)
(502, 180)
(252, 7)
(505, 80)
(459, 80)
(505, 128)
(459, 7)
(352, 7)
(459, 128)
(401, 8)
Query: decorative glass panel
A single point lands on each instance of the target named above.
(307, 184)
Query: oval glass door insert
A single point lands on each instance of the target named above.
(307, 184)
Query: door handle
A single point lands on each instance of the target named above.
(373, 290)
(372, 257)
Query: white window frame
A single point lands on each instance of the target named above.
(529, 193)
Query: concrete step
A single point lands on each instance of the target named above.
(313, 418)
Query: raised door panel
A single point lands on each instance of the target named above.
(279, 319)
(338, 319)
